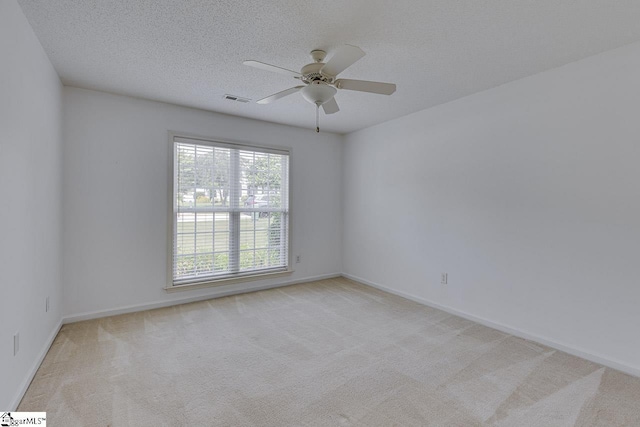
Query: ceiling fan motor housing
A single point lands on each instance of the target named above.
(311, 73)
(318, 92)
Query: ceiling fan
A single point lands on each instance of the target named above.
(319, 79)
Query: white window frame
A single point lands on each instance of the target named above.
(231, 278)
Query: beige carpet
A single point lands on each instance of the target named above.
(328, 353)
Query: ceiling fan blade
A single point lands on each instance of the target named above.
(365, 86)
(331, 106)
(276, 96)
(342, 59)
(269, 67)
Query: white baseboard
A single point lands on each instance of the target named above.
(34, 368)
(605, 361)
(214, 294)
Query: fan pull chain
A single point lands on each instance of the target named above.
(317, 118)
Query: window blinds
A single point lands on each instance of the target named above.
(230, 210)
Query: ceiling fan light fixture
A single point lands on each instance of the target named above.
(318, 93)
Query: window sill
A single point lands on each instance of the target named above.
(226, 281)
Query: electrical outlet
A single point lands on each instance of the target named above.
(16, 343)
(297, 259)
(46, 307)
(444, 277)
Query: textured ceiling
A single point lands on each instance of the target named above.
(190, 52)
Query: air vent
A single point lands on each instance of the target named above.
(236, 98)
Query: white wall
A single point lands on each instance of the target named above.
(116, 181)
(30, 211)
(527, 195)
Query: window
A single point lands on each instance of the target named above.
(230, 210)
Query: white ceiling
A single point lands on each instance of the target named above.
(190, 52)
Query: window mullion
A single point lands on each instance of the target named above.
(284, 216)
(195, 205)
(234, 215)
